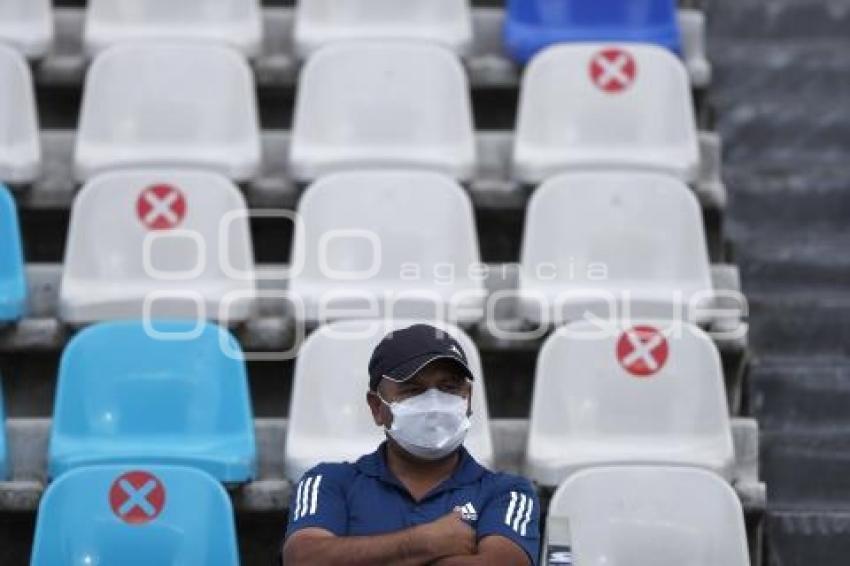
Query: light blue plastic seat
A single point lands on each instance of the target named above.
(13, 284)
(532, 25)
(125, 396)
(171, 516)
(4, 454)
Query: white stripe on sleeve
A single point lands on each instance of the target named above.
(315, 497)
(298, 500)
(527, 516)
(510, 511)
(520, 509)
(305, 497)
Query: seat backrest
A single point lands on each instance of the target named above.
(27, 25)
(383, 225)
(4, 454)
(668, 516)
(592, 106)
(330, 384)
(20, 148)
(319, 22)
(615, 17)
(166, 379)
(576, 226)
(600, 380)
(237, 23)
(135, 517)
(179, 218)
(169, 104)
(13, 284)
(380, 104)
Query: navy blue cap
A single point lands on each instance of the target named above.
(402, 353)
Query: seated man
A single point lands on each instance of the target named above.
(420, 498)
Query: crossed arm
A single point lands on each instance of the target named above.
(448, 541)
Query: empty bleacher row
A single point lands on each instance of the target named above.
(386, 164)
(278, 37)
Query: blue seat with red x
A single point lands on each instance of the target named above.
(135, 516)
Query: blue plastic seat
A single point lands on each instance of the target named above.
(532, 25)
(129, 396)
(4, 455)
(135, 516)
(13, 284)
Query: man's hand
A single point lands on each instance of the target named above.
(449, 535)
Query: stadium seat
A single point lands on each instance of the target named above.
(237, 23)
(165, 392)
(4, 454)
(158, 242)
(20, 147)
(386, 243)
(319, 22)
(329, 420)
(27, 25)
(374, 104)
(609, 107)
(611, 245)
(169, 104)
(636, 392)
(533, 25)
(665, 516)
(693, 26)
(13, 283)
(135, 516)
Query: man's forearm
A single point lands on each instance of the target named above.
(474, 560)
(400, 548)
(492, 551)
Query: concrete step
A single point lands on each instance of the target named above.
(789, 394)
(807, 538)
(28, 446)
(782, 101)
(802, 324)
(786, 19)
(806, 470)
(795, 194)
(805, 260)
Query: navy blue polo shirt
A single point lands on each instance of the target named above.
(365, 498)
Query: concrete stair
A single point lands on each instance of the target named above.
(781, 84)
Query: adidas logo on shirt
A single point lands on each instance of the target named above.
(467, 512)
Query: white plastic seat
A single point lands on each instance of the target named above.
(27, 25)
(373, 104)
(638, 392)
(319, 22)
(329, 420)
(170, 104)
(20, 148)
(162, 236)
(612, 245)
(386, 243)
(663, 516)
(611, 107)
(237, 23)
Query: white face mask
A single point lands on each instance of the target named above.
(430, 425)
